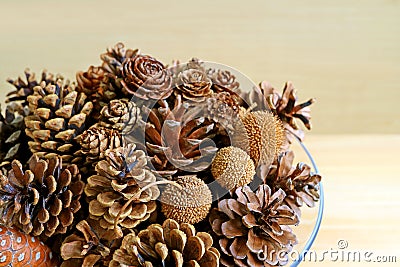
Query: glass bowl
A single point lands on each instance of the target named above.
(311, 218)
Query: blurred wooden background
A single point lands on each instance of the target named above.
(344, 53)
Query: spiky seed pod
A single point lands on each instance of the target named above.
(93, 144)
(120, 177)
(232, 167)
(12, 135)
(168, 245)
(173, 138)
(260, 134)
(59, 115)
(41, 201)
(146, 78)
(118, 114)
(298, 182)
(194, 85)
(89, 246)
(24, 87)
(191, 204)
(252, 224)
(19, 249)
(222, 80)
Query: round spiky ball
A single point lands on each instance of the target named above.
(191, 204)
(232, 167)
(261, 135)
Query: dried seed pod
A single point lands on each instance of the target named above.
(191, 204)
(260, 134)
(194, 85)
(232, 167)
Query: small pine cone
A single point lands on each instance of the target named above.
(260, 134)
(194, 85)
(232, 167)
(89, 246)
(191, 204)
(223, 108)
(120, 177)
(222, 80)
(146, 78)
(13, 140)
(24, 88)
(59, 115)
(253, 224)
(120, 114)
(93, 144)
(41, 201)
(298, 182)
(168, 245)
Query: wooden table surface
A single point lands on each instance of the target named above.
(362, 199)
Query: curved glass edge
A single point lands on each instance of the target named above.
(320, 211)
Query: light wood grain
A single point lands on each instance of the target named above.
(362, 200)
(344, 53)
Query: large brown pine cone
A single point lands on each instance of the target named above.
(13, 140)
(168, 245)
(176, 141)
(89, 246)
(253, 228)
(120, 177)
(298, 182)
(194, 85)
(43, 200)
(59, 114)
(146, 78)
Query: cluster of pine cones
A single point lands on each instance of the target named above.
(141, 164)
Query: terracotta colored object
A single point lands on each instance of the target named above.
(21, 250)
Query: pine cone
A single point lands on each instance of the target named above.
(89, 246)
(59, 115)
(298, 182)
(285, 106)
(120, 114)
(194, 85)
(13, 139)
(168, 245)
(146, 78)
(24, 88)
(253, 227)
(91, 83)
(93, 144)
(41, 201)
(119, 178)
(176, 141)
(222, 80)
